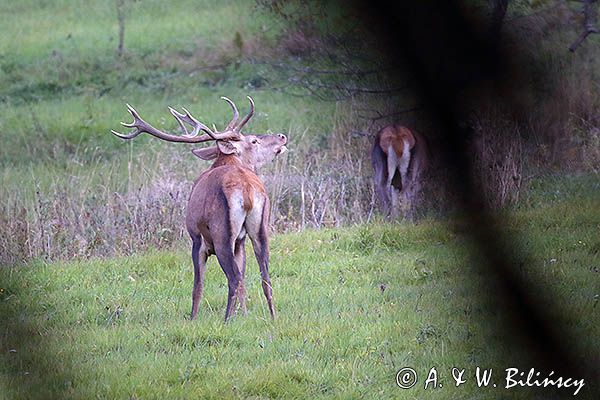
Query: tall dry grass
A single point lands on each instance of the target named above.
(85, 215)
(125, 206)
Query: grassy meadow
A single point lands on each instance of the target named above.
(95, 271)
(354, 306)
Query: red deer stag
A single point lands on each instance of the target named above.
(227, 201)
(399, 158)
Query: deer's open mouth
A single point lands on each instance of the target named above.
(281, 150)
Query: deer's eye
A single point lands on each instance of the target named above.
(254, 141)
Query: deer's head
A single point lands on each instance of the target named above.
(252, 150)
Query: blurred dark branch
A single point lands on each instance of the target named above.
(590, 15)
(344, 81)
(315, 71)
(357, 90)
(333, 91)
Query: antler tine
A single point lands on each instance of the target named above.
(136, 119)
(198, 126)
(140, 126)
(236, 114)
(124, 136)
(178, 116)
(248, 116)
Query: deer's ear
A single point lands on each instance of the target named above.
(206, 153)
(227, 147)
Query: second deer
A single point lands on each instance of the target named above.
(400, 157)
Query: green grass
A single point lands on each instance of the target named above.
(62, 87)
(354, 306)
(89, 30)
(64, 127)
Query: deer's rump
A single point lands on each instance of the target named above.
(231, 192)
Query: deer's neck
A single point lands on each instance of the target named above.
(230, 159)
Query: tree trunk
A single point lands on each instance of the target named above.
(121, 18)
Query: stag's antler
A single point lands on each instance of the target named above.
(236, 115)
(231, 132)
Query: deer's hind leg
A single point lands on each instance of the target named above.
(240, 260)
(199, 256)
(394, 181)
(381, 187)
(229, 247)
(235, 282)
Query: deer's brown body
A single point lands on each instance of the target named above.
(399, 157)
(228, 202)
